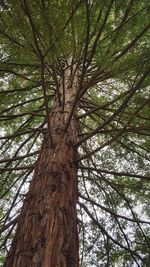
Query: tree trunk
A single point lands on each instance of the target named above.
(46, 234)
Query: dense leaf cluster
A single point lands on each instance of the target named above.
(108, 41)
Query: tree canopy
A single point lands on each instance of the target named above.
(108, 42)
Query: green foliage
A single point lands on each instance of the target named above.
(109, 42)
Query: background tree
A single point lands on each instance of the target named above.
(74, 90)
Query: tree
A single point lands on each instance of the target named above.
(74, 133)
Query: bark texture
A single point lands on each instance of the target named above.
(46, 234)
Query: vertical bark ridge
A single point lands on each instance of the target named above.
(46, 234)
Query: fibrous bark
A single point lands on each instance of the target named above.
(46, 234)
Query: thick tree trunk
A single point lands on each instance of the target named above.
(46, 234)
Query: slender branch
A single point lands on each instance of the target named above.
(46, 103)
(127, 241)
(133, 42)
(5, 227)
(34, 31)
(63, 28)
(15, 73)
(115, 188)
(17, 168)
(108, 142)
(21, 104)
(103, 106)
(120, 174)
(122, 106)
(14, 116)
(106, 233)
(99, 33)
(19, 157)
(111, 211)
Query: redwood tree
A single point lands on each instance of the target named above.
(74, 133)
